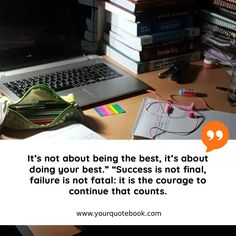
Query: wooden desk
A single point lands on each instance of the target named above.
(195, 77)
(120, 126)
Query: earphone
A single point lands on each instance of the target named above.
(167, 110)
(189, 111)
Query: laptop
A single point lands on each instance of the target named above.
(56, 43)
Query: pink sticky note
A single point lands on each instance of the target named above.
(103, 111)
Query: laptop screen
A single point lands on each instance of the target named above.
(39, 31)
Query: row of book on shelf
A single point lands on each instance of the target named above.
(148, 35)
(219, 31)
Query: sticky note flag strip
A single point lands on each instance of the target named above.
(108, 110)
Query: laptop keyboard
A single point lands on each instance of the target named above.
(65, 79)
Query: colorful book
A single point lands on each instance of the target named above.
(156, 51)
(143, 67)
(149, 27)
(139, 42)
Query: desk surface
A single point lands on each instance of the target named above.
(196, 77)
(120, 126)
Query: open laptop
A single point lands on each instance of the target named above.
(56, 42)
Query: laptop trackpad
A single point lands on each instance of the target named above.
(94, 94)
(83, 96)
(112, 88)
(109, 89)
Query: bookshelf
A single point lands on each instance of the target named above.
(219, 31)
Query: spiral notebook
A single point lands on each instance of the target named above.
(153, 122)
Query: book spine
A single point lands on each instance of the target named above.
(164, 63)
(143, 67)
(135, 6)
(154, 14)
(165, 13)
(173, 49)
(139, 41)
(172, 35)
(157, 51)
(164, 25)
(144, 28)
(145, 5)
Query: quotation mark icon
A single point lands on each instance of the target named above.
(214, 135)
(219, 134)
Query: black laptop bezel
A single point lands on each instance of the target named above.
(64, 32)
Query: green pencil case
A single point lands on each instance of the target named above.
(41, 107)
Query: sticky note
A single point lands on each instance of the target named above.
(118, 108)
(107, 110)
(103, 111)
(112, 109)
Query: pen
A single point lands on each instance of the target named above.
(33, 106)
(221, 88)
(42, 120)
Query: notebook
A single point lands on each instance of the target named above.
(153, 122)
(56, 43)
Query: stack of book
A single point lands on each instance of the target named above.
(219, 31)
(152, 34)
